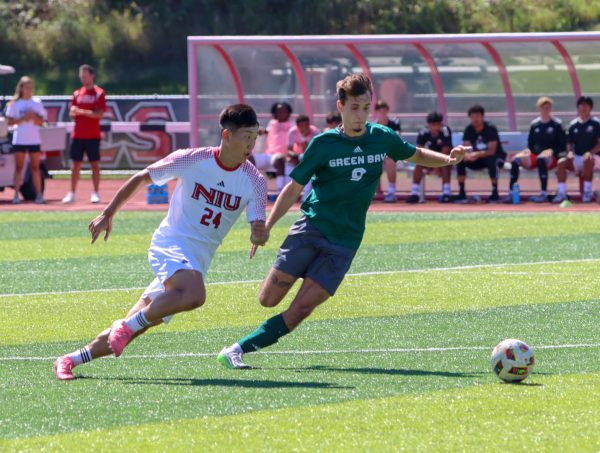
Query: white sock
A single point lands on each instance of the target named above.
(83, 355)
(562, 188)
(587, 186)
(236, 348)
(137, 321)
(280, 183)
(392, 188)
(446, 189)
(415, 189)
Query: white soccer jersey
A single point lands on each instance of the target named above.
(207, 201)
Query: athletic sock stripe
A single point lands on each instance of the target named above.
(85, 356)
(141, 319)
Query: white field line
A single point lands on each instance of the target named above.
(565, 274)
(324, 352)
(358, 274)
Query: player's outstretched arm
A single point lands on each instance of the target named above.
(104, 221)
(429, 158)
(288, 196)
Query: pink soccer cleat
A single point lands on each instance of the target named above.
(63, 368)
(120, 335)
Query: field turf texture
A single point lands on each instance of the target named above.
(398, 360)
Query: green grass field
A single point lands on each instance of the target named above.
(398, 360)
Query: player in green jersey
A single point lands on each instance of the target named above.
(344, 165)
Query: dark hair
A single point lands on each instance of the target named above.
(333, 117)
(476, 109)
(585, 100)
(88, 68)
(435, 117)
(301, 118)
(280, 105)
(236, 116)
(381, 104)
(353, 85)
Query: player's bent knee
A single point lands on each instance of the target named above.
(267, 299)
(190, 300)
(196, 301)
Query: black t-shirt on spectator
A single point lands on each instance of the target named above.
(547, 135)
(393, 125)
(479, 140)
(583, 136)
(442, 139)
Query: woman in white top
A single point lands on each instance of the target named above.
(27, 114)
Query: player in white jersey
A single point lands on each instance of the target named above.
(215, 185)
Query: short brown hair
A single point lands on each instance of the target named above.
(544, 100)
(353, 85)
(88, 68)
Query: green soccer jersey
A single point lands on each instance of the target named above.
(345, 172)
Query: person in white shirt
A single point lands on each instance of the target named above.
(26, 113)
(214, 187)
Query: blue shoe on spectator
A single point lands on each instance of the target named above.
(542, 198)
(390, 198)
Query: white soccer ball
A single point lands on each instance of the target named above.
(512, 360)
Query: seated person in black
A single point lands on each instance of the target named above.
(438, 137)
(583, 144)
(545, 142)
(486, 154)
(382, 111)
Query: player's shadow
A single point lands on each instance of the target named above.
(240, 383)
(388, 371)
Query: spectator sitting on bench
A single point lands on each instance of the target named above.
(545, 142)
(486, 153)
(583, 143)
(298, 139)
(276, 148)
(382, 110)
(437, 137)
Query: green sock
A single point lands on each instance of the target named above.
(267, 334)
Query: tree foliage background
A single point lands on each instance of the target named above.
(140, 46)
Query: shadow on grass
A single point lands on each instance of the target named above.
(241, 383)
(388, 371)
(524, 384)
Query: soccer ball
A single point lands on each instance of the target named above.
(512, 360)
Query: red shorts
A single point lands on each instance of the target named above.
(534, 158)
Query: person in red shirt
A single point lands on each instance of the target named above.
(87, 108)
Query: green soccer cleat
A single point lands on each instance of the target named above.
(232, 359)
